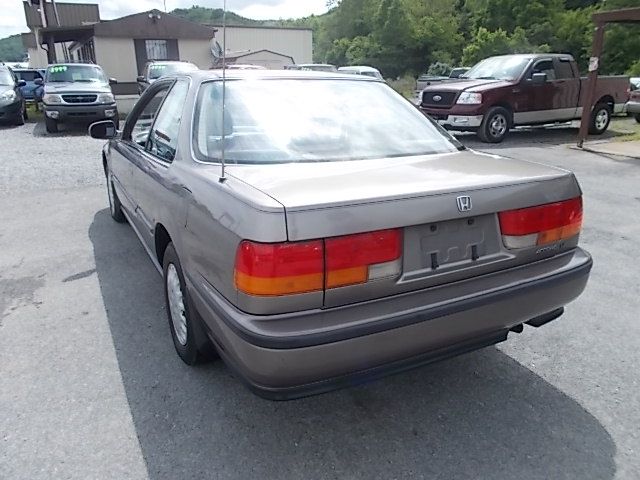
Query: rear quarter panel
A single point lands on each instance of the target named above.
(615, 87)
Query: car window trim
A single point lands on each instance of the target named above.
(139, 108)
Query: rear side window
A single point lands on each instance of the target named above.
(563, 69)
(163, 140)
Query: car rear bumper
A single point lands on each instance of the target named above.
(633, 107)
(280, 358)
(81, 113)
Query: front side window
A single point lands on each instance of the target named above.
(270, 121)
(142, 124)
(156, 49)
(75, 73)
(163, 139)
(545, 66)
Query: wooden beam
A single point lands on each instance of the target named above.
(625, 15)
(587, 99)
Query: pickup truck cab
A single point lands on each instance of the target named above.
(506, 91)
(77, 92)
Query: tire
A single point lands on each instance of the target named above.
(115, 207)
(495, 125)
(21, 116)
(637, 117)
(600, 119)
(51, 125)
(117, 122)
(26, 115)
(183, 329)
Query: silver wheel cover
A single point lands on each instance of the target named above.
(176, 305)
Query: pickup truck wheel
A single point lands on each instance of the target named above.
(600, 118)
(115, 207)
(182, 322)
(637, 117)
(495, 125)
(51, 125)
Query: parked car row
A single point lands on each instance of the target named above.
(13, 108)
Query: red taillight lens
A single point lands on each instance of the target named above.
(300, 267)
(542, 224)
(279, 269)
(359, 258)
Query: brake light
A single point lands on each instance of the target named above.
(541, 225)
(279, 269)
(264, 269)
(360, 258)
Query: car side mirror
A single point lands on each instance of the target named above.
(140, 78)
(104, 130)
(38, 81)
(539, 78)
(22, 83)
(112, 81)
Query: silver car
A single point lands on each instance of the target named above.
(348, 237)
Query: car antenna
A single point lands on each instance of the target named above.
(224, 88)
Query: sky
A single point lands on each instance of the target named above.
(12, 13)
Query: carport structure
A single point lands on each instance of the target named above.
(601, 20)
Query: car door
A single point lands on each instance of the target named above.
(129, 151)
(537, 106)
(567, 89)
(154, 181)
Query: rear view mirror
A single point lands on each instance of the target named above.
(22, 83)
(539, 78)
(104, 130)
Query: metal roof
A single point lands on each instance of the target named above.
(71, 14)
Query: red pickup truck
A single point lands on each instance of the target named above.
(503, 92)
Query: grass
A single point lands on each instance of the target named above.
(625, 129)
(33, 115)
(405, 86)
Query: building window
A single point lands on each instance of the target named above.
(156, 49)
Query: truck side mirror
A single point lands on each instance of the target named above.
(112, 81)
(38, 81)
(539, 78)
(140, 78)
(22, 83)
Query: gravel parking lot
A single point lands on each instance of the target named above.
(90, 386)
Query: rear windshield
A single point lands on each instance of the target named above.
(269, 121)
(158, 70)
(75, 73)
(27, 75)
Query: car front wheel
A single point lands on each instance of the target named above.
(637, 117)
(51, 125)
(182, 321)
(21, 117)
(115, 207)
(495, 125)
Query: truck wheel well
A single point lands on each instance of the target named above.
(608, 99)
(162, 239)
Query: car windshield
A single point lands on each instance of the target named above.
(158, 70)
(5, 77)
(75, 73)
(270, 121)
(508, 67)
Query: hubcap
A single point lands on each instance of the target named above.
(601, 119)
(176, 305)
(110, 193)
(498, 126)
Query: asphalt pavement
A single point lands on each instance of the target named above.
(90, 387)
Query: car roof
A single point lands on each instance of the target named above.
(364, 68)
(63, 64)
(203, 75)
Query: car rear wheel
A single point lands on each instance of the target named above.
(495, 125)
(115, 207)
(20, 117)
(182, 321)
(51, 125)
(600, 119)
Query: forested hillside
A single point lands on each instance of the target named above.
(407, 36)
(11, 49)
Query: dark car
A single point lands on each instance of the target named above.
(507, 91)
(76, 92)
(13, 107)
(29, 75)
(155, 69)
(348, 237)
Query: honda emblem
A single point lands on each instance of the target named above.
(464, 203)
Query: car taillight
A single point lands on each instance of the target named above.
(266, 269)
(279, 269)
(541, 225)
(363, 257)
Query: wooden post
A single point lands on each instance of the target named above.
(587, 98)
